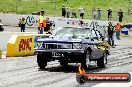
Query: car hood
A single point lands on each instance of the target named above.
(60, 39)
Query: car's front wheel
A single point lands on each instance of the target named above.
(101, 62)
(81, 79)
(86, 61)
(41, 60)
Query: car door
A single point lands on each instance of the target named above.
(96, 52)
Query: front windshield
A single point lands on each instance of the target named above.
(75, 32)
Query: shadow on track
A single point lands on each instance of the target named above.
(71, 69)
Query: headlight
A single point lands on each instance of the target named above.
(76, 46)
(39, 44)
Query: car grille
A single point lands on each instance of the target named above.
(56, 46)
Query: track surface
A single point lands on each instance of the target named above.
(24, 72)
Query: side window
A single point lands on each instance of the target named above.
(95, 34)
(98, 33)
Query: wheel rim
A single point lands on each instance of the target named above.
(87, 59)
(105, 58)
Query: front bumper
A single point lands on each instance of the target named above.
(58, 50)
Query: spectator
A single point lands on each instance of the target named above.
(118, 28)
(48, 26)
(41, 22)
(19, 23)
(99, 13)
(74, 15)
(68, 12)
(109, 14)
(120, 14)
(94, 13)
(63, 10)
(81, 23)
(110, 34)
(22, 24)
(81, 9)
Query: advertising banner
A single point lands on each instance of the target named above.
(20, 45)
(127, 29)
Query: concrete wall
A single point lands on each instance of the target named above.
(13, 19)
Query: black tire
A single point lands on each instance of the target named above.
(41, 60)
(101, 62)
(63, 63)
(86, 60)
(81, 79)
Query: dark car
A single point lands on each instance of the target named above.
(72, 45)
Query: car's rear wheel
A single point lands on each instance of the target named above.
(41, 60)
(101, 62)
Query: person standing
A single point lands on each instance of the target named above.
(99, 13)
(68, 11)
(118, 28)
(94, 13)
(19, 23)
(48, 26)
(22, 24)
(120, 14)
(63, 8)
(41, 23)
(81, 23)
(81, 9)
(110, 34)
(109, 14)
(74, 15)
